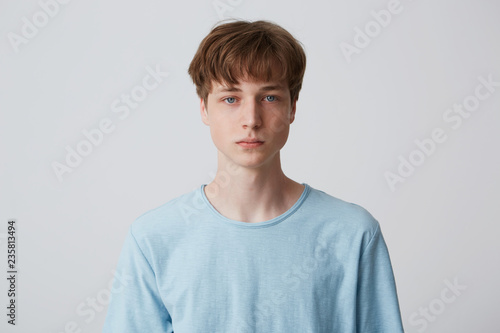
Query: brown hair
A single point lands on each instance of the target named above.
(232, 50)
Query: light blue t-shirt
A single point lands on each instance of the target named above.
(320, 267)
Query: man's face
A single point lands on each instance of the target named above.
(248, 111)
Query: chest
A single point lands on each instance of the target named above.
(223, 279)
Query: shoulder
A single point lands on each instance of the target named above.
(348, 216)
(345, 223)
(166, 218)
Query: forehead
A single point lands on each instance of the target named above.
(249, 85)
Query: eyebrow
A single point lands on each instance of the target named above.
(236, 89)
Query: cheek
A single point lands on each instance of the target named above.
(283, 135)
(220, 133)
(279, 126)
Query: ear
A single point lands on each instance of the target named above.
(204, 112)
(292, 113)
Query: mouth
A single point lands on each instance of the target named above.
(250, 144)
(252, 141)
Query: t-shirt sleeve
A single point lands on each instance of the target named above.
(377, 301)
(135, 305)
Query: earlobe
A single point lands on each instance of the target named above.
(204, 112)
(292, 113)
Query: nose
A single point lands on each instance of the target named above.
(251, 114)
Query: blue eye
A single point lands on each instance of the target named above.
(230, 100)
(270, 98)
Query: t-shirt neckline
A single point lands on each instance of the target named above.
(261, 224)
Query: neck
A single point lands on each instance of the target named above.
(252, 194)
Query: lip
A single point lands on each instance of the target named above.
(250, 140)
(253, 144)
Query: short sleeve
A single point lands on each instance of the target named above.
(135, 305)
(377, 301)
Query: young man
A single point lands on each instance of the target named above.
(253, 251)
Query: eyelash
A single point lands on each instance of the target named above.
(275, 99)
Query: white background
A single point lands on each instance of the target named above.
(355, 118)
